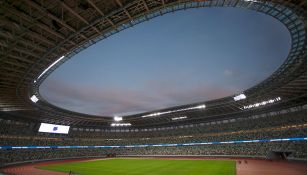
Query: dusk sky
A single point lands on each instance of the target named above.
(180, 58)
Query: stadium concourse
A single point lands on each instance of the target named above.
(266, 121)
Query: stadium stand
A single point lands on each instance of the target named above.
(288, 125)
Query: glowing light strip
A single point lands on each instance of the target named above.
(251, 0)
(54, 63)
(179, 118)
(262, 103)
(158, 145)
(120, 124)
(178, 110)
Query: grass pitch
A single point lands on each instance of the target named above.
(121, 166)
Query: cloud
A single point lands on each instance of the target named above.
(155, 95)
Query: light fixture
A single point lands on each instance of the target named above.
(200, 107)
(120, 124)
(34, 99)
(239, 97)
(251, 0)
(179, 118)
(263, 103)
(172, 111)
(117, 118)
(50, 66)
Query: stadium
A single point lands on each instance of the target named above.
(260, 130)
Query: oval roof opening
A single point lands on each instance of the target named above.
(180, 58)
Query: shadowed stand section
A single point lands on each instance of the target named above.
(279, 155)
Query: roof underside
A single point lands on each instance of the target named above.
(34, 34)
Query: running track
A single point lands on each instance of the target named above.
(244, 167)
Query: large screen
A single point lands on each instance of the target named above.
(51, 128)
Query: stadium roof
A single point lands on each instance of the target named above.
(38, 36)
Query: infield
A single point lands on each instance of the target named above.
(120, 166)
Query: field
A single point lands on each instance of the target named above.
(120, 166)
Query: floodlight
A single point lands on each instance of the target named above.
(117, 119)
(34, 99)
(239, 97)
